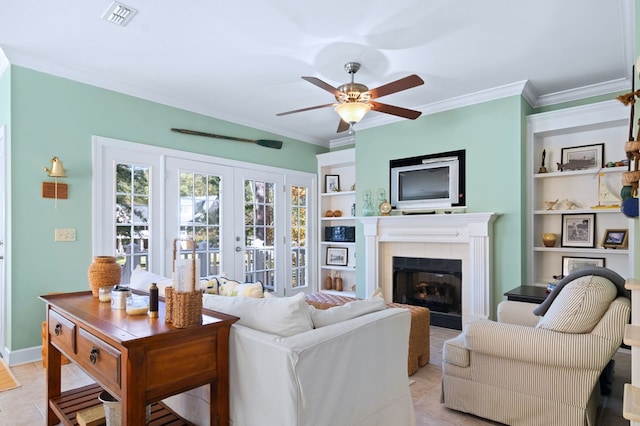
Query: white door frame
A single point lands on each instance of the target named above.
(4, 237)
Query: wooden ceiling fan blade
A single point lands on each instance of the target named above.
(396, 86)
(395, 110)
(324, 86)
(343, 126)
(304, 109)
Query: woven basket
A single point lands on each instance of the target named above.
(183, 309)
(103, 272)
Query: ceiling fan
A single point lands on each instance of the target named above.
(354, 100)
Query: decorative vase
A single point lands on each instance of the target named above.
(337, 283)
(549, 239)
(328, 282)
(103, 272)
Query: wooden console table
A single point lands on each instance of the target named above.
(137, 359)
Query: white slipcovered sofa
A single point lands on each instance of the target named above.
(291, 364)
(351, 372)
(529, 370)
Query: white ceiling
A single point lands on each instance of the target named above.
(242, 61)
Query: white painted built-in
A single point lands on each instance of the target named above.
(464, 236)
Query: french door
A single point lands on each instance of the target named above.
(236, 218)
(246, 223)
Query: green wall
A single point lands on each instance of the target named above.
(54, 116)
(492, 135)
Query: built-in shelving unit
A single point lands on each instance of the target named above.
(342, 164)
(604, 123)
(631, 403)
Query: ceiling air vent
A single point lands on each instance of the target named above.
(119, 14)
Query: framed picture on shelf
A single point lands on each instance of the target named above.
(331, 183)
(337, 256)
(582, 157)
(572, 263)
(615, 238)
(578, 230)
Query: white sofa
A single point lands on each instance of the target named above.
(291, 364)
(352, 372)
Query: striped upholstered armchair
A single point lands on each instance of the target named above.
(540, 368)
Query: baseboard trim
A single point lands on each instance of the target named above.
(23, 356)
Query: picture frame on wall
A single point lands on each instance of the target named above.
(578, 230)
(337, 256)
(615, 238)
(573, 263)
(331, 183)
(582, 157)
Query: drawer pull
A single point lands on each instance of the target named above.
(93, 356)
(58, 329)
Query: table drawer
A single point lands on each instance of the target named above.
(99, 358)
(62, 333)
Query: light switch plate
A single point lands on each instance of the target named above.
(65, 234)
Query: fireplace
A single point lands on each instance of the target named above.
(432, 283)
(465, 237)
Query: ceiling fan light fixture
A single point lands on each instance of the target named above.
(352, 112)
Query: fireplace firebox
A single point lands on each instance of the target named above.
(432, 283)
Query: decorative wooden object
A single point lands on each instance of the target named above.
(49, 190)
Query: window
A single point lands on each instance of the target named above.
(299, 228)
(131, 202)
(200, 218)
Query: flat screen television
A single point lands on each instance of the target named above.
(427, 182)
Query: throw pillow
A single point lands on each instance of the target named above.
(282, 316)
(324, 317)
(212, 285)
(141, 279)
(227, 286)
(248, 290)
(579, 306)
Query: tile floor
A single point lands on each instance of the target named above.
(25, 405)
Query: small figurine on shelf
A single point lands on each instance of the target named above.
(367, 207)
(543, 169)
(570, 205)
(551, 204)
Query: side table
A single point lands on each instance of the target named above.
(137, 359)
(527, 293)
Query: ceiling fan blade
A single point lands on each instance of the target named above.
(396, 86)
(343, 126)
(395, 110)
(304, 109)
(325, 86)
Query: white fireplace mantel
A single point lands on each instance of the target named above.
(466, 236)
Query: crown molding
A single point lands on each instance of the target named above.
(340, 142)
(605, 88)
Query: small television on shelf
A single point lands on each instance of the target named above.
(428, 182)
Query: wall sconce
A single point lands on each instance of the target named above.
(55, 190)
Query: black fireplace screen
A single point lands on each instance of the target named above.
(433, 283)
